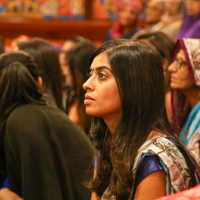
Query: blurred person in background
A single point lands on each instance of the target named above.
(191, 20)
(67, 76)
(154, 11)
(164, 46)
(44, 154)
(68, 44)
(78, 58)
(126, 24)
(171, 21)
(5, 192)
(185, 85)
(15, 41)
(46, 57)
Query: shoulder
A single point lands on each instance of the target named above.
(35, 123)
(34, 118)
(166, 149)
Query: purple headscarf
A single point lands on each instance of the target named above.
(191, 49)
(190, 27)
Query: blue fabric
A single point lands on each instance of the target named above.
(191, 126)
(148, 164)
(4, 182)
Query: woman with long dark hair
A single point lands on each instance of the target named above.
(44, 154)
(137, 157)
(46, 57)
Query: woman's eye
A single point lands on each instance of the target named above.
(102, 75)
(89, 74)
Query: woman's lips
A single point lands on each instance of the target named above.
(88, 100)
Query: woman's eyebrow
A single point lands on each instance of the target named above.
(99, 68)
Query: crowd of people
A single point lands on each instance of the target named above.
(116, 121)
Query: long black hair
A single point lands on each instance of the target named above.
(46, 57)
(18, 85)
(138, 71)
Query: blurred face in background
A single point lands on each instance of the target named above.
(180, 77)
(65, 68)
(193, 7)
(172, 7)
(154, 11)
(127, 16)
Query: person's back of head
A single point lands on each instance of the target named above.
(46, 57)
(70, 42)
(18, 84)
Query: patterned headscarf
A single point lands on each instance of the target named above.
(191, 49)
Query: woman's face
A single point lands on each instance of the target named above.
(193, 7)
(153, 12)
(65, 68)
(102, 98)
(172, 6)
(127, 16)
(180, 77)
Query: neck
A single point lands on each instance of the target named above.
(193, 95)
(112, 122)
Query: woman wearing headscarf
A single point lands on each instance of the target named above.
(126, 24)
(191, 21)
(185, 84)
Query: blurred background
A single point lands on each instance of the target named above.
(57, 20)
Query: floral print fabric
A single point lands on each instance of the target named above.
(177, 172)
(193, 52)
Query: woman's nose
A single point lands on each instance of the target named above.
(172, 67)
(88, 85)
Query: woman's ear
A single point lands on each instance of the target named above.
(40, 83)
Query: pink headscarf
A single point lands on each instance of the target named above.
(116, 30)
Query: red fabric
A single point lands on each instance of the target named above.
(191, 194)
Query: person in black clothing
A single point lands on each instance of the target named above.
(44, 154)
